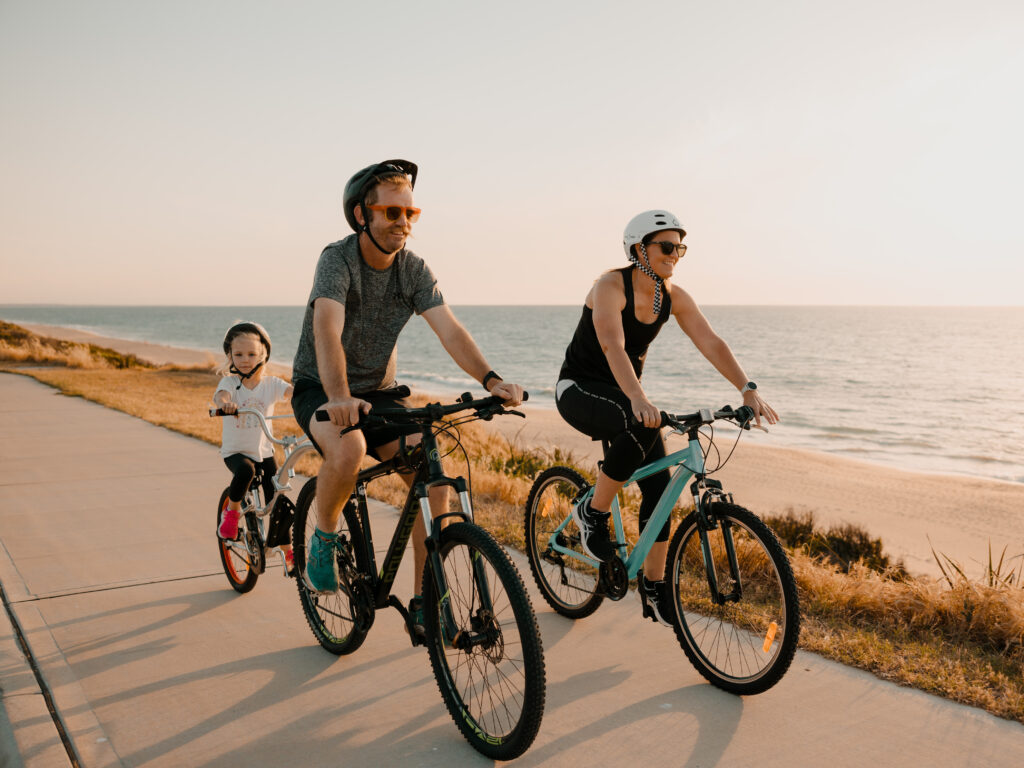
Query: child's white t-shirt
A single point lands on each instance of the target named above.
(243, 434)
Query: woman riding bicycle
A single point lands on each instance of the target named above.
(599, 391)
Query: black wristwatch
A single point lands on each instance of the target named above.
(488, 376)
(748, 387)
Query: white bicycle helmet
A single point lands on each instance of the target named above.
(643, 224)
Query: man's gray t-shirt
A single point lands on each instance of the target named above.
(378, 304)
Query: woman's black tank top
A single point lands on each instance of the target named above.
(584, 359)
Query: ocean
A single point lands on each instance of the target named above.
(935, 389)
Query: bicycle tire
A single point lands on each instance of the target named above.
(335, 619)
(568, 585)
(494, 690)
(746, 646)
(235, 555)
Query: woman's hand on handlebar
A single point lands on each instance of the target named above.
(644, 411)
(760, 408)
(511, 393)
(345, 411)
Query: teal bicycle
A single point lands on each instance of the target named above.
(736, 612)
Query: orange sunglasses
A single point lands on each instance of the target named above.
(394, 212)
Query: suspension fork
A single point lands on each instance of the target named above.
(706, 523)
(433, 545)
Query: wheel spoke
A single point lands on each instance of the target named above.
(726, 642)
(486, 682)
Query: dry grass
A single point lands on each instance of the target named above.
(961, 641)
(958, 637)
(18, 345)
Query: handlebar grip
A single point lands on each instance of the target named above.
(744, 415)
(218, 412)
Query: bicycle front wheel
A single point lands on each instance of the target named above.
(337, 620)
(741, 637)
(239, 557)
(490, 665)
(568, 584)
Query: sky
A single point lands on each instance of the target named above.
(817, 152)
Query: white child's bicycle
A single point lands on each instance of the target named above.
(265, 524)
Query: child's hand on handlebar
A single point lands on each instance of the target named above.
(228, 408)
(345, 411)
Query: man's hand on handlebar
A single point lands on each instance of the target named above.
(345, 411)
(511, 393)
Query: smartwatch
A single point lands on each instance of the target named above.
(749, 386)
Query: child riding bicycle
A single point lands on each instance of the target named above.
(244, 447)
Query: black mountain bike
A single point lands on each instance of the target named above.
(481, 632)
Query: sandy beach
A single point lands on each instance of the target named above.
(912, 512)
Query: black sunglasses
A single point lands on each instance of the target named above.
(667, 246)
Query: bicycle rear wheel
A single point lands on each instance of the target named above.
(339, 620)
(240, 557)
(745, 642)
(491, 671)
(568, 584)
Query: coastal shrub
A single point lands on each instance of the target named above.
(841, 545)
(530, 462)
(20, 345)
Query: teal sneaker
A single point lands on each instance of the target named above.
(321, 572)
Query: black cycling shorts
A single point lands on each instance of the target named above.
(603, 412)
(308, 396)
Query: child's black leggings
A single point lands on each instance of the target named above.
(244, 470)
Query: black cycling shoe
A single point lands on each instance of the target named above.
(593, 525)
(419, 629)
(657, 600)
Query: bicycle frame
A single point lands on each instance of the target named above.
(429, 473)
(688, 462)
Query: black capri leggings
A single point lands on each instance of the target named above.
(603, 412)
(244, 469)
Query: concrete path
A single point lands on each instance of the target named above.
(108, 564)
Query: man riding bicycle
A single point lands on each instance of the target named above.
(365, 289)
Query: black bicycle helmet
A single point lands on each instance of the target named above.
(360, 183)
(246, 327)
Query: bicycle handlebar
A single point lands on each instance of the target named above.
(687, 421)
(286, 440)
(486, 408)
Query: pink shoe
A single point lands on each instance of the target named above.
(229, 523)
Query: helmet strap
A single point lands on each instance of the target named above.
(244, 376)
(645, 267)
(366, 230)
